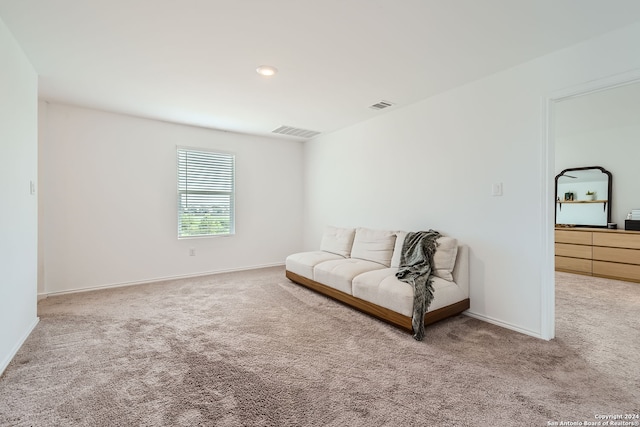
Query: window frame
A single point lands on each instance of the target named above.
(179, 192)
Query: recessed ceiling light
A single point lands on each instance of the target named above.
(266, 70)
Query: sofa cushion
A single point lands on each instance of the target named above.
(381, 287)
(397, 250)
(337, 240)
(338, 274)
(302, 263)
(374, 245)
(445, 293)
(444, 259)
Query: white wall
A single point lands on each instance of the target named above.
(615, 149)
(432, 165)
(18, 208)
(109, 200)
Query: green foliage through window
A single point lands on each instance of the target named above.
(205, 193)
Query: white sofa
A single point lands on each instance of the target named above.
(358, 267)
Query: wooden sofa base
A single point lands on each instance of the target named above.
(381, 313)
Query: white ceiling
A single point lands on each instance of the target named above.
(194, 61)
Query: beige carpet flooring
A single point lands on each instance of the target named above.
(253, 349)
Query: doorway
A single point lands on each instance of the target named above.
(605, 115)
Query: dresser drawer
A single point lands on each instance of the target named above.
(578, 265)
(574, 251)
(617, 240)
(627, 256)
(575, 237)
(617, 271)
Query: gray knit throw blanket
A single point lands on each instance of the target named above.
(416, 268)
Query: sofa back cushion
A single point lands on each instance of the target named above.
(337, 240)
(374, 245)
(444, 259)
(397, 250)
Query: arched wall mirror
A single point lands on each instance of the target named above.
(583, 197)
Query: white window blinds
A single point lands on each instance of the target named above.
(205, 193)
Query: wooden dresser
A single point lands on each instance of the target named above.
(599, 252)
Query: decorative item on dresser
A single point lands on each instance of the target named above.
(632, 224)
(599, 252)
(633, 220)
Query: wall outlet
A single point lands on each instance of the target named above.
(192, 252)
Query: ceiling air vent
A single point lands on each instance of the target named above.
(291, 131)
(381, 105)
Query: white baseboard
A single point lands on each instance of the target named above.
(14, 350)
(157, 279)
(503, 324)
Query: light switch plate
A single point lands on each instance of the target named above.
(496, 189)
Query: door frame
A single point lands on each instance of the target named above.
(548, 303)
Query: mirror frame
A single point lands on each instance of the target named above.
(607, 203)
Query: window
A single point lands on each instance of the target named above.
(205, 193)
